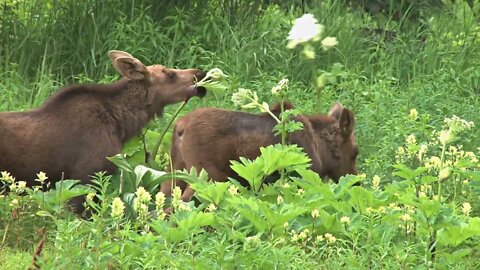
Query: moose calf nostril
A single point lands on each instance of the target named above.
(201, 91)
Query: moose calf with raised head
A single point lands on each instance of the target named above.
(209, 138)
(74, 131)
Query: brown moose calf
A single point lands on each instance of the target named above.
(74, 131)
(209, 138)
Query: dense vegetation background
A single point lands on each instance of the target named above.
(396, 56)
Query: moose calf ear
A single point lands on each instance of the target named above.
(345, 118)
(276, 109)
(336, 111)
(346, 123)
(128, 65)
(114, 54)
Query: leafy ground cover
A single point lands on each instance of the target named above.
(409, 73)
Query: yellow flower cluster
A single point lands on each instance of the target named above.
(141, 202)
(376, 182)
(117, 208)
(233, 190)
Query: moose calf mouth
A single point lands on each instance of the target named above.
(196, 91)
(201, 91)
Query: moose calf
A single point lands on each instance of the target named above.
(209, 138)
(74, 131)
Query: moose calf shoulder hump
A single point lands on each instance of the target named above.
(208, 138)
(74, 131)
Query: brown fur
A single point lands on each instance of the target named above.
(74, 131)
(209, 138)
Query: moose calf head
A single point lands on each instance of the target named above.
(163, 85)
(339, 138)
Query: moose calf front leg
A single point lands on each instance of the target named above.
(188, 194)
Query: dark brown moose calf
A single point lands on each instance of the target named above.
(209, 138)
(74, 131)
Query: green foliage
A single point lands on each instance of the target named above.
(14, 259)
(54, 200)
(273, 158)
(411, 202)
(455, 235)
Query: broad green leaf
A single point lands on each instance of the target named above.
(455, 235)
(148, 177)
(190, 177)
(249, 209)
(133, 146)
(315, 189)
(329, 222)
(64, 190)
(212, 192)
(345, 183)
(474, 175)
(428, 179)
(361, 198)
(120, 161)
(406, 172)
(310, 177)
(175, 235)
(278, 216)
(277, 157)
(455, 256)
(429, 207)
(194, 219)
(252, 171)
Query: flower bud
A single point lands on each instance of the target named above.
(445, 173)
(329, 42)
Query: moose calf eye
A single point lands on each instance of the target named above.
(172, 75)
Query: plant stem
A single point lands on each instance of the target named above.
(274, 117)
(164, 131)
(317, 87)
(433, 239)
(284, 137)
(6, 231)
(60, 206)
(284, 132)
(442, 158)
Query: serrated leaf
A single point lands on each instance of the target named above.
(194, 220)
(252, 171)
(212, 192)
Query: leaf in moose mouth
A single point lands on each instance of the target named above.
(214, 81)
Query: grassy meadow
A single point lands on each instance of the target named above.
(410, 72)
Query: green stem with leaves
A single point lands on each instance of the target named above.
(433, 239)
(164, 131)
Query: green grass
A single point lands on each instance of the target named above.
(430, 64)
(15, 259)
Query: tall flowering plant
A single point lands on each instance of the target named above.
(308, 34)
